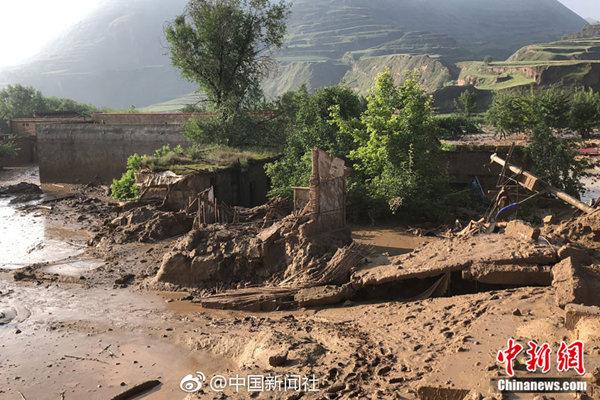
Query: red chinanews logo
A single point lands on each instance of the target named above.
(568, 357)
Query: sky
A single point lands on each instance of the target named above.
(27, 25)
(585, 8)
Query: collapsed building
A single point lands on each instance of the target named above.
(277, 256)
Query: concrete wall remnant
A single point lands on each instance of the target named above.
(84, 153)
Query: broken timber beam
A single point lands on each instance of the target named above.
(533, 183)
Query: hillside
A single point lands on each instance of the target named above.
(434, 73)
(117, 57)
(573, 60)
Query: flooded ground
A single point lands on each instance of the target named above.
(27, 237)
(92, 338)
(90, 343)
(592, 185)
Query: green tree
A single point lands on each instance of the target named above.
(225, 46)
(584, 114)
(305, 117)
(509, 112)
(21, 101)
(465, 104)
(555, 160)
(397, 149)
(548, 107)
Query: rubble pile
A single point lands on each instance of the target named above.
(261, 247)
(230, 255)
(491, 259)
(22, 192)
(583, 230)
(144, 224)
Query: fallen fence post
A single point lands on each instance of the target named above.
(533, 183)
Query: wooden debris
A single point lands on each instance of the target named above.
(137, 390)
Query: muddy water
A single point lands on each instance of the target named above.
(92, 343)
(392, 241)
(592, 186)
(28, 238)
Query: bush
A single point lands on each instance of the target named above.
(451, 127)
(555, 160)
(8, 147)
(307, 124)
(125, 187)
(261, 128)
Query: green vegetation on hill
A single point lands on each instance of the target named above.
(483, 76)
(183, 161)
(566, 49)
(433, 73)
(571, 61)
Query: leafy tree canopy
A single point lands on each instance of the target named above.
(397, 149)
(306, 120)
(226, 46)
(22, 101)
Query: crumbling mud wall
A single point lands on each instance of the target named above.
(238, 185)
(463, 163)
(142, 118)
(327, 192)
(266, 249)
(84, 153)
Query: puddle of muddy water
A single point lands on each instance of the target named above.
(27, 238)
(388, 240)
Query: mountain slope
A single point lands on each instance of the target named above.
(118, 57)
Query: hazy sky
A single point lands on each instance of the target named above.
(27, 25)
(585, 8)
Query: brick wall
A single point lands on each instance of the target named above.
(143, 118)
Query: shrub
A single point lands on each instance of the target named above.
(555, 160)
(125, 187)
(8, 147)
(454, 126)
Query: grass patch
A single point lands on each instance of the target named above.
(194, 159)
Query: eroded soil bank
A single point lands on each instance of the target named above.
(80, 318)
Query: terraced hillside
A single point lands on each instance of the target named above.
(330, 28)
(118, 57)
(571, 61)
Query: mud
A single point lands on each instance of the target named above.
(95, 330)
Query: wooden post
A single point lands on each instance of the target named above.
(533, 183)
